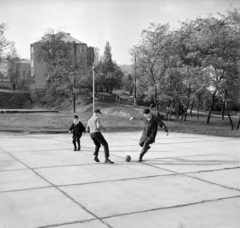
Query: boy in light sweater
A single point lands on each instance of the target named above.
(94, 128)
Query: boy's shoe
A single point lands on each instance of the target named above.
(79, 148)
(107, 161)
(96, 159)
(74, 149)
(140, 160)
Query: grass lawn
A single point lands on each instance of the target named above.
(116, 119)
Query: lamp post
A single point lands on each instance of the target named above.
(93, 89)
(135, 85)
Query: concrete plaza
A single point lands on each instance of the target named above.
(185, 181)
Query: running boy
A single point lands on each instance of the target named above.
(151, 123)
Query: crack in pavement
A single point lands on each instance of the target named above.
(68, 223)
(171, 207)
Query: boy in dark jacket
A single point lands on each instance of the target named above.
(151, 123)
(77, 129)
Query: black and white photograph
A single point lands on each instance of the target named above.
(119, 113)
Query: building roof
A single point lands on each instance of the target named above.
(65, 37)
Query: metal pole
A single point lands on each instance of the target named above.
(135, 86)
(93, 90)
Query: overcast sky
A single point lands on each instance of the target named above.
(97, 21)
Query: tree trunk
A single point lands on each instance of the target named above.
(171, 110)
(178, 111)
(110, 89)
(198, 110)
(29, 97)
(168, 111)
(210, 111)
(14, 87)
(74, 103)
(229, 117)
(169, 115)
(223, 110)
(199, 98)
(238, 123)
(157, 107)
(191, 108)
(156, 102)
(184, 115)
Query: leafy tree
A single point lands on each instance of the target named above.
(51, 47)
(4, 43)
(150, 55)
(219, 44)
(184, 65)
(127, 82)
(186, 60)
(13, 68)
(107, 55)
(26, 82)
(67, 74)
(108, 74)
(67, 77)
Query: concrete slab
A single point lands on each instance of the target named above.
(185, 181)
(56, 158)
(221, 213)
(129, 196)
(36, 147)
(21, 179)
(195, 163)
(97, 173)
(5, 156)
(28, 141)
(11, 164)
(209, 145)
(37, 208)
(229, 178)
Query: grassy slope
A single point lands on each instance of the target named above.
(115, 117)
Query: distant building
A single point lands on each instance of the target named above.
(75, 48)
(23, 70)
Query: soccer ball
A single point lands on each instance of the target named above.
(127, 158)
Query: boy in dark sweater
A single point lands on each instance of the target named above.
(77, 129)
(151, 123)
